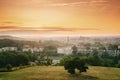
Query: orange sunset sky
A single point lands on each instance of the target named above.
(60, 17)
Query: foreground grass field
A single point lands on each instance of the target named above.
(58, 73)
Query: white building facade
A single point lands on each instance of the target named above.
(65, 50)
(3, 49)
(32, 49)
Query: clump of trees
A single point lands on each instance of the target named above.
(12, 59)
(44, 58)
(72, 63)
(96, 58)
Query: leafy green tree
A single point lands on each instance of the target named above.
(64, 60)
(13, 58)
(113, 47)
(70, 66)
(75, 63)
(49, 61)
(9, 67)
(118, 65)
(107, 63)
(22, 59)
(102, 47)
(95, 59)
(2, 61)
(47, 51)
(87, 45)
(74, 50)
(95, 52)
(105, 55)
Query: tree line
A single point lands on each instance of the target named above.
(16, 59)
(95, 59)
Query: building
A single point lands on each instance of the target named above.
(65, 50)
(118, 46)
(81, 48)
(28, 48)
(3, 49)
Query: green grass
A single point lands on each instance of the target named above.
(58, 73)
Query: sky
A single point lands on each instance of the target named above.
(59, 17)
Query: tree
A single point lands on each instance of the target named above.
(95, 59)
(70, 66)
(95, 52)
(75, 63)
(105, 55)
(118, 65)
(47, 51)
(9, 67)
(107, 63)
(22, 59)
(113, 47)
(102, 47)
(81, 65)
(49, 61)
(2, 61)
(87, 46)
(64, 60)
(15, 59)
(75, 50)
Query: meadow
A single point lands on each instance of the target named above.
(59, 73)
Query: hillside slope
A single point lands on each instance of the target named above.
(58, 73)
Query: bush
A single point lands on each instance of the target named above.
(64, 60)
(118, 65)
(9, 67)
(71, 71)
(75, 63)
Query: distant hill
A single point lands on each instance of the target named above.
(10, 37)
(7, 40)
(16, 43)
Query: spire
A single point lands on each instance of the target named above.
(67, 39)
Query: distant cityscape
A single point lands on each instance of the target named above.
(85, 45)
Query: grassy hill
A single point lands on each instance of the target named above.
(58, 73)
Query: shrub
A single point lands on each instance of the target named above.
(118, 65)
(75, 63)
(9, 67)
